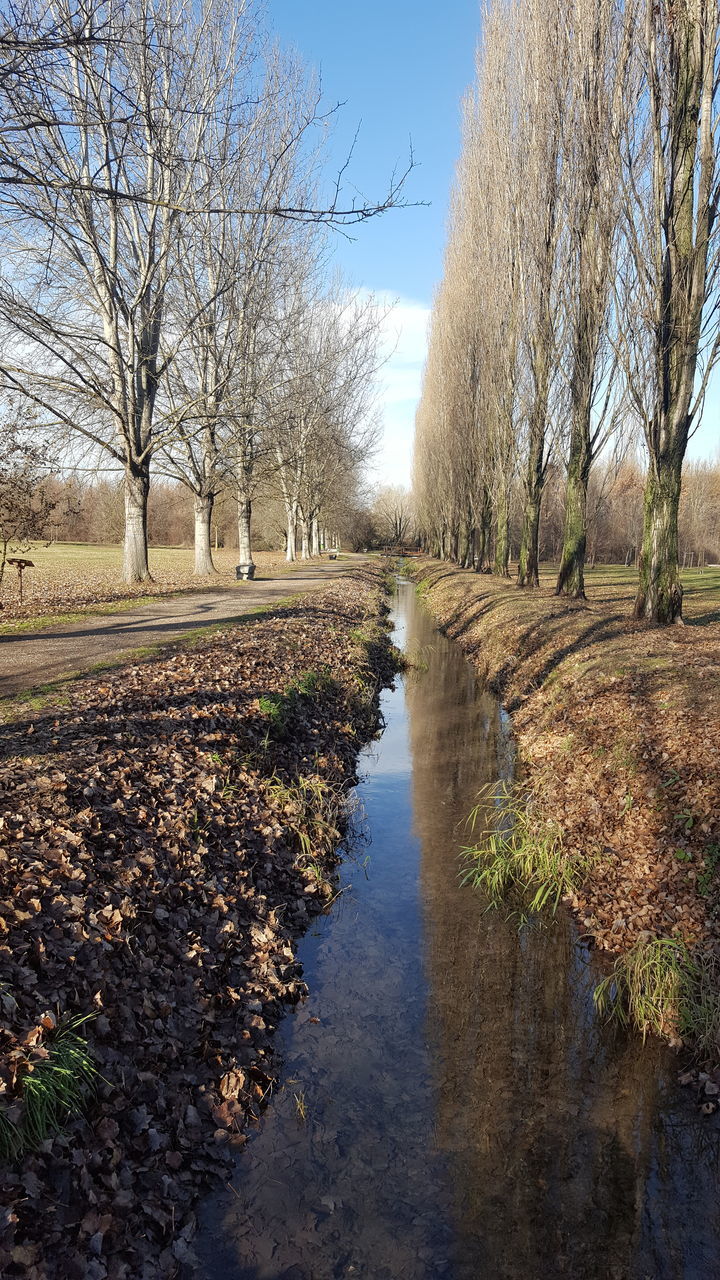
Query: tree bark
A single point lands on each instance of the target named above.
(203, 543)
(244, 514)
(659, 597)
(501, 564)
(135, 546)
(571, 578)
(529, 559)
(305, 538)
(484, 529)
(468, 553)
(291, 517)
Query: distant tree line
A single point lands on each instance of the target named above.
(69, 509)
(579, 306)
(72, 510)
(166, 308)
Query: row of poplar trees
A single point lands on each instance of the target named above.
(580, 303)
(165, 302)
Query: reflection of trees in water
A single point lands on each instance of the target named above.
(562, 1161)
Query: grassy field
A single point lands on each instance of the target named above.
(614, 586)
(610, 590)
(68, 577)
(72, 577)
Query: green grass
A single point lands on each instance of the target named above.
(56, 1088)
(311, 810)
(707, 878)
(92, 556)
(41, 622)
(607, 584)
(659, 987)
(519, 857)
(311, 683)
(278, 708)
(83, 569)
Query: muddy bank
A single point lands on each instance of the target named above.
(165, 838)
(616, 726)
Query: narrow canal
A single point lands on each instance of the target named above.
(448, 1104)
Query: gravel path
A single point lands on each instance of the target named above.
(32, 658)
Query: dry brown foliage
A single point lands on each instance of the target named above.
(153, 875)
(617, 727)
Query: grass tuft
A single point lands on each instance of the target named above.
(660, 987)
(518, 854)
(313, 809)
(278, 708)
(53, 1088)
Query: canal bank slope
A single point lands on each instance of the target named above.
(617, 727)
(167, 831)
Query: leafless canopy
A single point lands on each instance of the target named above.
(580, 299)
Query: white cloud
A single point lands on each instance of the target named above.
(405, 333)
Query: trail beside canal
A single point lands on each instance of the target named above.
(30, 658)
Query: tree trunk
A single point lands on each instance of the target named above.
(501, 564)
(571, 578)
(203, 545)
(135, 545)
(291, 516)
(468, 552)
(659, 597)
(483, 541)
(244, 515)
(529, 560)
(480, 548)
(304, 537)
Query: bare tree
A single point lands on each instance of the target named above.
(111, 147)
(319, 409)
(392, 513)
(26, 502)
(669, 276)
(227, 297)
(599, 86)
(542, 65)
(494, 218)
(86, 301)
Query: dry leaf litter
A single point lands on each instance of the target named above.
(154, 877)
(618, 730)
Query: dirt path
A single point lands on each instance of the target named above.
(32, 658)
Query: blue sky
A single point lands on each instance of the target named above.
(401, 70)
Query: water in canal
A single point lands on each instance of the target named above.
(448, 1105)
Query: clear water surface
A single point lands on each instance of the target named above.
(465, 1116)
